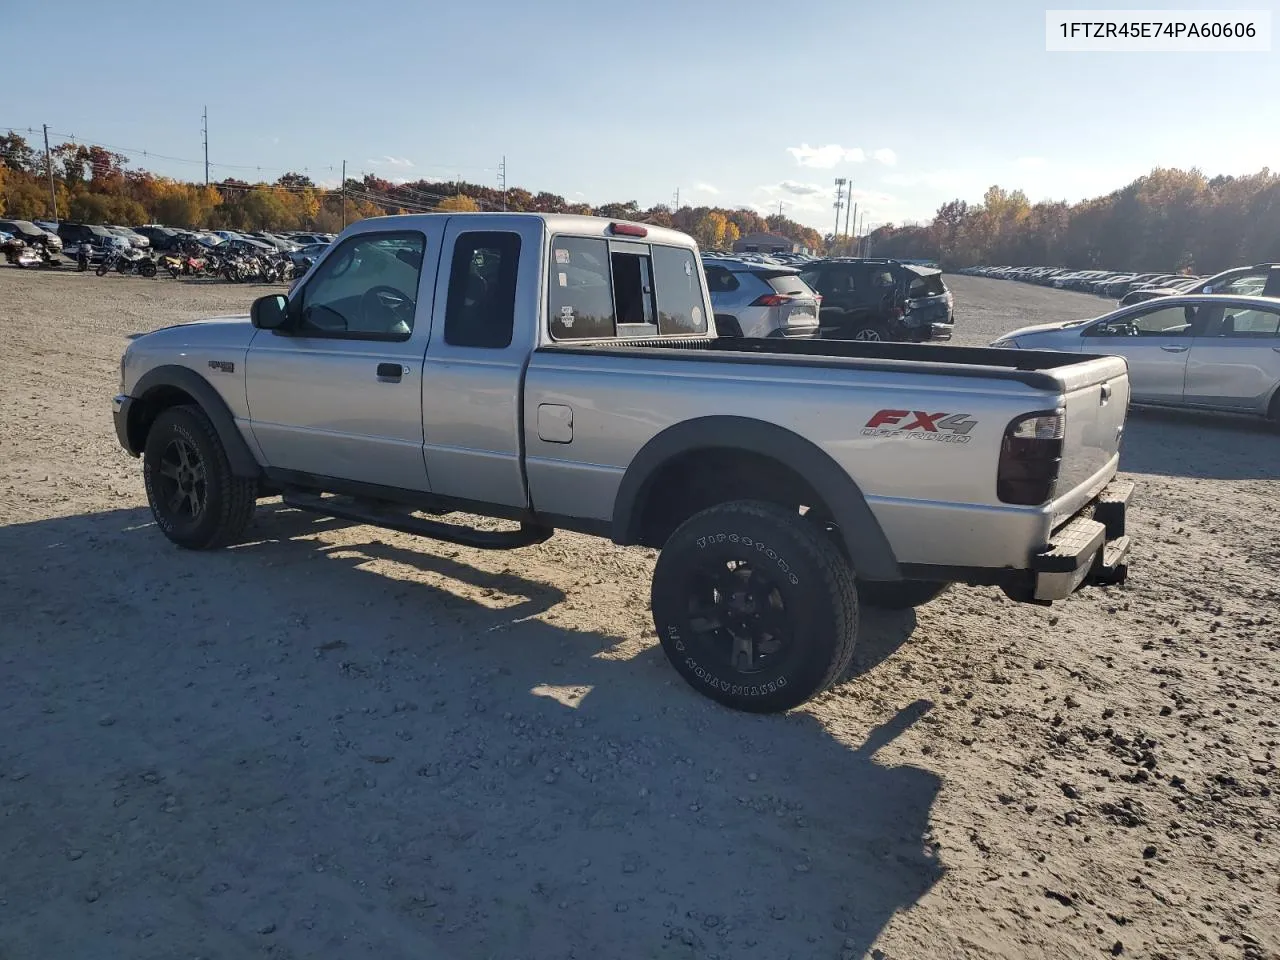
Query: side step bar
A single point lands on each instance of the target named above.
(360, 511)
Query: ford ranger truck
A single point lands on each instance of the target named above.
(562, 372)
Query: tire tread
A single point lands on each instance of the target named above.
(838, 583)
(239, 494)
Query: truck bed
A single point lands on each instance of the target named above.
(1023, 366)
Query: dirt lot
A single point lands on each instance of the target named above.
(336, 741)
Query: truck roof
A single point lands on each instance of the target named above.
(556, 223)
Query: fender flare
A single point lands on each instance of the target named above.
(867, 546)
(243, 463)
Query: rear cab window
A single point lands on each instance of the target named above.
(602, 288)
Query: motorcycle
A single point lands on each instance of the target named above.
(27, 255)
(135, 261)
(173, 264)
(126, 261)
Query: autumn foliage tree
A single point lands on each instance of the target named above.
(1165, 220)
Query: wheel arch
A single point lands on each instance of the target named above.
(660, 474)
(171, 385)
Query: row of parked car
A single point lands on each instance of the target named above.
(1130, 288)
(845, 298)
(65, 237)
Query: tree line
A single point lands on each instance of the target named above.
(1167, 220)
(92, 184)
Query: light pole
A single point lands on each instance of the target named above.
(840, 182)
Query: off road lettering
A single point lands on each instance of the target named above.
(943, 426)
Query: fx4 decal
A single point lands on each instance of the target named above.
(919, 425)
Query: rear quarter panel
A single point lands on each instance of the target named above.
(934, 497)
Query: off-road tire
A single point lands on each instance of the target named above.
(898, 594)
(807, 575)
(227, 501)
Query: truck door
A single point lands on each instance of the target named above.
(338, 395)
(484, 328)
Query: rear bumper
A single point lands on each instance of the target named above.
(1088, 549)
(927, 332)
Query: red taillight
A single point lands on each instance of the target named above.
(770, 300)
(628, 230)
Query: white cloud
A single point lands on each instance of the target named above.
(1031, 163)
(826, 157)
(390, 161)
(886, 156)
(705, 188)
(801, 189)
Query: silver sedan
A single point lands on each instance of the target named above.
(1213, 352)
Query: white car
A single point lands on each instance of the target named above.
(1214, 352)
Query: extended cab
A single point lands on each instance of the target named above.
(561, 372)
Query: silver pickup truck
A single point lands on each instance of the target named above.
(563, 372)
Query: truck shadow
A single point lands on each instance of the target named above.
(1187, 443)
(366, 706)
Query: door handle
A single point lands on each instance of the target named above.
(389, 371)
(1174, 348)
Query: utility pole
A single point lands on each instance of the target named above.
(344, 194)
(204, 132)
(676, 208)
(848, 205)
(502, 180)
(855, 226)
(779, 209)
(840, 182)
(48, 166)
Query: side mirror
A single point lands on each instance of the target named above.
(270, 312)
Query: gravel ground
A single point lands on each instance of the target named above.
(336, 741)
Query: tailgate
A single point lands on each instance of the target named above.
(1096, 400)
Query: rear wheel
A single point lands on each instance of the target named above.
(754, 606)
(898, 594)
(869, 332)
(197, 501)
(147, 269)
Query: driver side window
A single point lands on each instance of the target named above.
(366, 289)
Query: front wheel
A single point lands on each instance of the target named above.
(102, 268)
(754, 606)
(148, 268)
(898, 594)
(197, 501)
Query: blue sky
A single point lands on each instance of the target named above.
(741, 103)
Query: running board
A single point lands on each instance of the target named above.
(390, 518)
